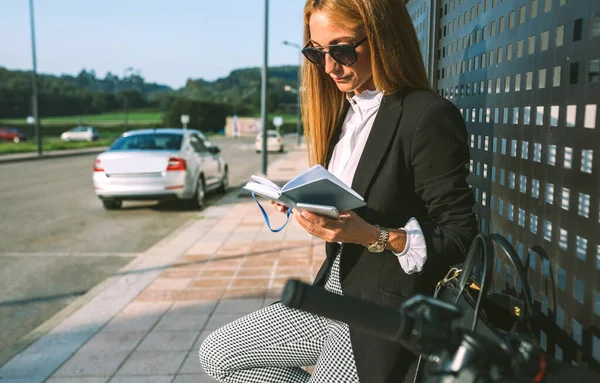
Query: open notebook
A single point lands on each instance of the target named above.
(314, 186)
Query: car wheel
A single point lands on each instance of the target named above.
(224, 182)
(16, 140)
(200, 194)
(281, 149)
(112, 204)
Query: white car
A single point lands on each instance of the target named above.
(80, 133)
(274, 142)
(159, 164)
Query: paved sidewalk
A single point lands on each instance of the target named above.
(32, 156)
(148, 324)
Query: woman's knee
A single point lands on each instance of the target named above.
(212, 354)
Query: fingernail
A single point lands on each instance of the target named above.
(305, 214)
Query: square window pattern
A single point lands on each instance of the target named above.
(521, 217)
(535, 188)
(566, 194)
(542, 79)
(546, 272)
(578, 290)
(590, 116)
(584, 205)
(552, 155)
(571, 115)
(568, 164)
(548, 231)
(539, 113)
(561, 278)
(550, 193)
(562, 239)
(581, 248)
(533, 224)
(560, 317)
(577, 332)
(525, 69)
(587, 157)
(554, 114)
(537, 152)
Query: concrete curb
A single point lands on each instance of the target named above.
(22, 157)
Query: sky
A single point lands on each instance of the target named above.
(169, 41)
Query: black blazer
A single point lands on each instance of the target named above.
(415, 164)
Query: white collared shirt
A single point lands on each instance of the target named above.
(344, 161)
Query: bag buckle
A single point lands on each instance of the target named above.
(453, 273)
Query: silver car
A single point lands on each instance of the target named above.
(80, 133)
(159, 164)
(274, 142)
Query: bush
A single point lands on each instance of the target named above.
(287, 127)
(55, 130)
(205, 116)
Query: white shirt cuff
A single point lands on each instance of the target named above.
(413, 257)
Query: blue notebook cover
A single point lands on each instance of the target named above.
(316, 185)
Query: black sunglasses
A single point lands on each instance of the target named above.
(344, 54)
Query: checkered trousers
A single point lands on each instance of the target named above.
(271, 344)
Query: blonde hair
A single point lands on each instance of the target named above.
(396, 63)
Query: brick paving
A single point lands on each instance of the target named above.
(235, 266)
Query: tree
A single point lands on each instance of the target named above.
(205, 116)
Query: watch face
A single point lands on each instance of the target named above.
(377, 248)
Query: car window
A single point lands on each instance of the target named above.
(272, 134)
(151, 141)
(197, 143)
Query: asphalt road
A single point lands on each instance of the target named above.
(57, 241)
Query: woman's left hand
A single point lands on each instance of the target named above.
(349, 228)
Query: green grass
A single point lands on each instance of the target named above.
(54, 143)
(96, 119)
(51, 144)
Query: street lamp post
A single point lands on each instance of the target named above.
(34, 98)
(263, 98)
(298, 114)
(125, 100)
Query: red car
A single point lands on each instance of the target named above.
(12, 134)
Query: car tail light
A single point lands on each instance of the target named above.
(176, 163)
(98, 166)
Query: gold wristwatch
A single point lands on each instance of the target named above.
(379, 245)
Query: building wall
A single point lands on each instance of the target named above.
(525, 75)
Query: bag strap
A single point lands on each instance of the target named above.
(510, 252)
(482, 247)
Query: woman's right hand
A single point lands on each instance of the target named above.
(279, 207)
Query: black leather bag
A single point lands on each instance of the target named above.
(485, 312)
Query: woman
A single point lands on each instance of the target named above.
(372, 120)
